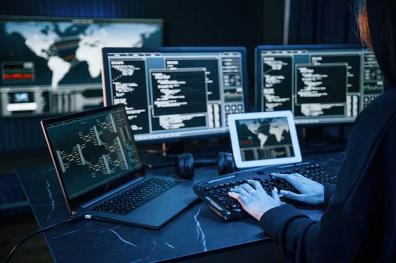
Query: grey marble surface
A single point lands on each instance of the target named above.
(195, 231)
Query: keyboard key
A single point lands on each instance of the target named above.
(136, 196)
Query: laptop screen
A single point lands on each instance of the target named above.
(91, 149)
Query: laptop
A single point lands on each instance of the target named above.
(101, 174)
(264, 139)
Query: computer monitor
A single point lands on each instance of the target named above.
(51, 65)
(318, 83)
(171, 93)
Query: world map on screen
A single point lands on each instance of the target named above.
(60, 48)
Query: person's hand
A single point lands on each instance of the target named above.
(254, 199)
(311, 192)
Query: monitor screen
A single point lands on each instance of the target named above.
(171, 93)
(92, 149)
(319, 84)
(53, 65)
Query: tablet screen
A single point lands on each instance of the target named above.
(262, 139)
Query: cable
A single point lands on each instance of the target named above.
(75, 218)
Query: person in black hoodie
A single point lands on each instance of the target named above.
(359, 219)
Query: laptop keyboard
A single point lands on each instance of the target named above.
(136, 196)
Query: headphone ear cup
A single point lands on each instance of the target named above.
(230, 163)
(225, 163)
(184, 166)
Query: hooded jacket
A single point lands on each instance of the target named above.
(359, 219)
(382, 23)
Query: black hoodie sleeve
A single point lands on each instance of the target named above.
(329, 190)
(291, 229)
(336, 238)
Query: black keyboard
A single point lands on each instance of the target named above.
(136, 196)
(215, 192)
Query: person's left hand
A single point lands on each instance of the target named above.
(254, 199)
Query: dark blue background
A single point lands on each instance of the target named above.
(190, 23)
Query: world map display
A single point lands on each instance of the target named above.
(264, 138)
(276, 128)
(66, 52)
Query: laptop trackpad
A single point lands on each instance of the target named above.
(163, 208)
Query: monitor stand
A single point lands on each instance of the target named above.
(159, 155)
(322, 139)
(201, 148)
(169, 150)
(164, 154)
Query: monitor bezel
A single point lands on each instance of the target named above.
(84, 19)
(236, 149)
(74, 203)
(258, 81)
(106, 82)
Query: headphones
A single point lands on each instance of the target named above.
(185, 164)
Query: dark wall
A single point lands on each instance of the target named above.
(186, 23)
(322, 22)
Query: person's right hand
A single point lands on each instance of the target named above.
(311, 192)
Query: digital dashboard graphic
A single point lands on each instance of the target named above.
(93, 150)
(56, 62)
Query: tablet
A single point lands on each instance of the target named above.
(265, 138)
